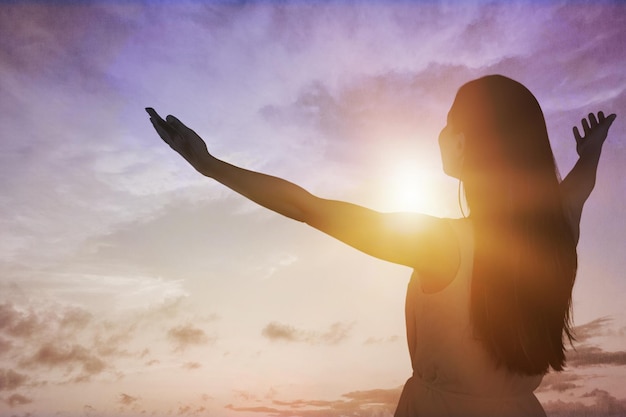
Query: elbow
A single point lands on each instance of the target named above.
(310, 211)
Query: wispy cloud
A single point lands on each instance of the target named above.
(381, 340)
(126, 399)
(10, 380)
(594, 328)
(15, 400)
(191, 365)
(602, 404)
(369, 403)
(560, 381)
(336, 333)
(187, 335)
(595, 355)
(586, 353)
(66, 356)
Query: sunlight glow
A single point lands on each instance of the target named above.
(409, 187)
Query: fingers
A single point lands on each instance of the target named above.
(577, 134)
(162, 132)
(592, 122)
(586, 127)
(153, 114)
(173, 120)
(169, 122)
(611, 117)
(177, 124)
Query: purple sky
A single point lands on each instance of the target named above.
(130, 284)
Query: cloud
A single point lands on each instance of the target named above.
(18, 323)
(10, 380)
(125, 399)
(191, 365)
(583, 355)
(25, 322)
(368, 403)
(603, 404)
(594, 355)
(396, 107)
(594, 328)
(189, 410)
(381, 340)
(257, 409)
(53, 343)
(336, 333)
(17, 399)
(560, 381)
(5, 346)
(281, 332)
(586, 353)
(65, 356)
(47, 335)
(187, 335)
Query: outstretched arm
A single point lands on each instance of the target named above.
(578, 184)
(412, 239)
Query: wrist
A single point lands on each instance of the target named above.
(592, 155)
(206, 166)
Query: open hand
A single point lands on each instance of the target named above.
(595, 132)
(183, 140)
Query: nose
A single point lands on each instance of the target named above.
(442, 135)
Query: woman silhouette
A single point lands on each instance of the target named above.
(487, 306)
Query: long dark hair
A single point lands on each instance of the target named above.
(525, 253)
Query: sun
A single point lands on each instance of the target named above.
(409, 187)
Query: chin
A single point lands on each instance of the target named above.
(451, 172)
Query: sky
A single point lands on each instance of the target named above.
(130, 285)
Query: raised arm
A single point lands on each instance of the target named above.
(411, 239)
(578, 184)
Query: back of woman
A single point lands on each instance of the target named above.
(453, 374)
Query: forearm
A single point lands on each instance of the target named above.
(270, 192)
(578, 185)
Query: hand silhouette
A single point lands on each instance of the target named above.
(183, 140)
(595, 130)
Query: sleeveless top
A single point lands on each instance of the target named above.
(453, 375)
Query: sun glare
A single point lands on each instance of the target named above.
(409, 188)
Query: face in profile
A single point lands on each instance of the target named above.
(451, 146)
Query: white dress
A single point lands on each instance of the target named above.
(452, 373)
